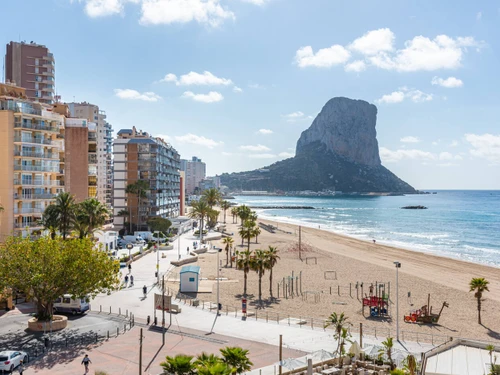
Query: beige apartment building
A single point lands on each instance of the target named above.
(195, 171)
(31, 145)
(31, 66)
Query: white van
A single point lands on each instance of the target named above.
(66, 304)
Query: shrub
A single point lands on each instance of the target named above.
(398, 372)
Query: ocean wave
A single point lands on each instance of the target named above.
(428, 236)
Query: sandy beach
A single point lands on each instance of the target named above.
(355, 262)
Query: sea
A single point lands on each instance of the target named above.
(462, 224)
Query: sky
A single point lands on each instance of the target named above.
(235, 82)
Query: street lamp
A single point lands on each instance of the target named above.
(398, 266)
(219, 249)
(157, 256)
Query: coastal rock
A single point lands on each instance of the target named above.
(345, 127)
(338, 152)
(414, 208)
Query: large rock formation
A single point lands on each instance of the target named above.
(339, 151)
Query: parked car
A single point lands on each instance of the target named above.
(10, 359)
(66, 304)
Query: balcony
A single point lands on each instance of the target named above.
(27, 225)
(37, 183)
(29, 210)
(92, 137)
(35, 168)
(39, 155)
(33, 140)
(27, 125)
(34, 196)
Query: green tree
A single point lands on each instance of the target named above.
(388, 345)
(224, 206)
(50, 220)
(139, 189)
(48, 268)
(258, 264)
(212, 196)
(205, 360)
(179, 365)
(199, 211)
(256, 233)
(65, 208)
(338, 322)
(478, 285)
(234, 212)
(244, 213)
(212, 218)
(247, 232)
(228, 241)
(272, 258)
(1, 208)
(410, 364)
(126, 215)
(92, 213)
(236, 358)
(490, 348)
(159, 224)
(344, 338)
(243, 262)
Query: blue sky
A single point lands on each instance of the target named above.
(235, 82)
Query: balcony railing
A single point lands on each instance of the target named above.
(33, 140)
(31, 154)
(25, 125)
(27, 225)
(34, 196)
(30, 210)
(35, 168)
(37, 183)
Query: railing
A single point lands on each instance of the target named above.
(24, 125)
(30, 154)
(33, 140)
(34, 168)
(27, 225)
(28, 211)
(34, 196)
(38, 183)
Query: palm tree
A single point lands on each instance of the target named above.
(243, 262)
(272, 259)
(234, 212)
(256, 233)
(247, 232)
(219, 368)
(228, 241)
(490, 348)
(259, 263)
(126, 214)
(80, 227)
(388, 344)
(50, 220)
(178, 365)
(410, 364)
(93, 213)
(65, 208)
(344, 337)
(244, 213)
(200, 210)
(1, 208)
(338, 322)
(212, 218)
(479, 285)
(225, 205)
(139, 189)
(205, 360)
(236, 358)
(212, 196)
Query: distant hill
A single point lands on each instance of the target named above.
(338, 151)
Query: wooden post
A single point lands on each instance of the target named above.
(350, 289)
(361, 335)
(281, 353)
(338, 289)
(140, 353)
(163, 309)
(300, 244)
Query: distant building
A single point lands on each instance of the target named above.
(139, 156)
(31, 66)
(195, 172)
(205, 184)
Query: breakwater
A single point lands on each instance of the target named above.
(282, 207)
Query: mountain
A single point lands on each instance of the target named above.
(338, 151)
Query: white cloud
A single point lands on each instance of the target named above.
(256, 2)
(390, 156)
(410, 139)
(416, 96)
(265, 131)
(199, 79)
(479, 15)
(286, 155)
(435, 143)
(262, 156)
(421, 53)
(450, 82)
(169, 78)
(103, 8)
(324, 58)
(211, 97)
(136, 95)
(294, 116)
(355, 66)
(208, 12)
(256, 148)
(454, 143)
(198, 140)
(165, 137)
(485, 146)
(373, 42)
(237, 89)
(393, 97)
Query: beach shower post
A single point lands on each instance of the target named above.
(398, 266)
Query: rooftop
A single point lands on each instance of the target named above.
(195, 269)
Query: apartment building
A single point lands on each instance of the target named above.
(31, 146)
(99, 150)
(195, 171)
(31, 66)
(139, 156)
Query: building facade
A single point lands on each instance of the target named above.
(140, 157)
(195, 171)
(31, 66)
(31, 145)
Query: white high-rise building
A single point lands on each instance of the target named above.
(195, 171)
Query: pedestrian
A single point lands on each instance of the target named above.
(374, 241)
(20, 368)
(126, 279)
(145, 291)
(188, 250)
(129, 268)
(86, 361)
(131, 280)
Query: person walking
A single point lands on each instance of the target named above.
(145, 291)
(126, 279)
(20, 368)
(130, 268)
(86, 361)
(131, 280)
(188, 250)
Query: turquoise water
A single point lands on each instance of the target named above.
(457, 224)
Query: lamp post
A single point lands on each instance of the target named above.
(218, 303)
(179, 232)
(398, 266)
(157, 256)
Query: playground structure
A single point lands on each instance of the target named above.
(424, 314)
(312, 296)
(290, 286)
(312, 260)
(330, 275)
(377, 300)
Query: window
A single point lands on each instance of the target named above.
(66, 300)
(191, 279)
